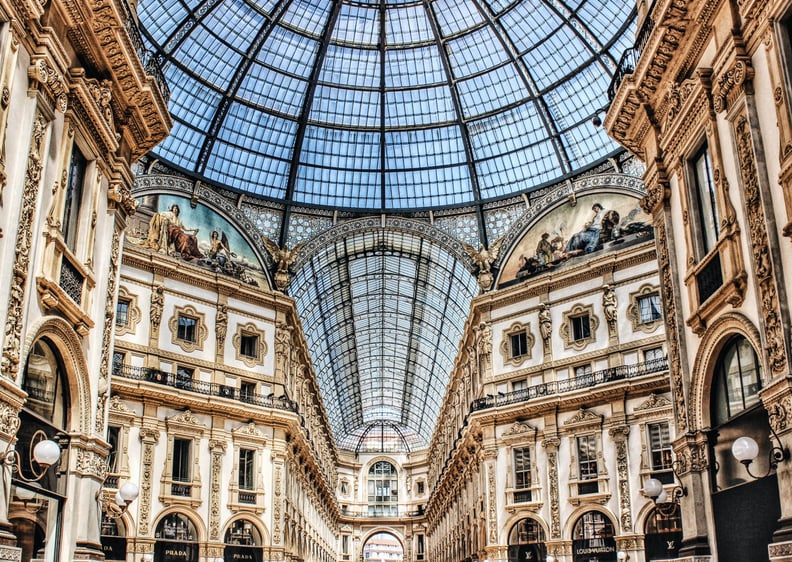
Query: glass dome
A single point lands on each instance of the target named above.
(386, 105)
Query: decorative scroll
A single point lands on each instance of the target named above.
(12, 342)
(107, 334)
(763, 266)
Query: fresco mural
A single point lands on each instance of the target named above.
(597, 222)
(200, 236)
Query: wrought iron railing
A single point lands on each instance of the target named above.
(151, 62)
(577, 383)
(629, 59)
(247, 497)
(201, 387)
(709, 278)
(71, 281)
(380, 513)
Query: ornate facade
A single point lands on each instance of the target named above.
(77, 108)
(704, 100)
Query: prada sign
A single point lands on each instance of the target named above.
(236, 553)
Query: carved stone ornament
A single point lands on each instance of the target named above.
(652, 402)
(90, 463)
(116, 405)
(10, 553)
(762, 260)
(582, 416)
(185, 418)
(520, 428)
(728, 85)
(9, 420)
(12, 343)
(53, 83)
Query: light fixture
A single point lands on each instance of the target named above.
(43, 452)
(550, 558)
(666, 504)
(621, 555)
(125, 495)
(745, 449)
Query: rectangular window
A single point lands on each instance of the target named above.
(649, 309)
(660, 446)
(344, 544)
(122, 312)
(247, 391)
(581, 327)
(706, 215)
(181, 460)
(420, 547)
(118, 361)
(74, 190)
(248, 345)
(522, 468)
(582, 370)
(519, 344)
(587, 457)
(112, 457)
(186, 328)
(654, 354)
(519, 385)
(247, 459)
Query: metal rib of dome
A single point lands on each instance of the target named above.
(385, 105)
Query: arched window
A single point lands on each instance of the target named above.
(737, 380)
(44, 415)
(739, 501)
(243, 542)
(383, 489)
(592, 538)
(177, 540)
(526, 541)
(663, 533)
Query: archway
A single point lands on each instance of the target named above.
(593, 538)
(383, 547)
(113, 536)
(177, 539)
(663, 533)
(526, 541)
(243, 542)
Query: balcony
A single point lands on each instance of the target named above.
(596, 378)
(200, 387)
(629, 59)
(151, 63)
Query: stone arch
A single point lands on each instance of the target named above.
(577, 513)
(190, 514)
(377, 530)
(713, 341)
(65, 341)
(513, 519)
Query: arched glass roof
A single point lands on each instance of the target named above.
(383, 313)
(386, 105)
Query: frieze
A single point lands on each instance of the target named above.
(186, 418)
(584, 416)
(10, 554)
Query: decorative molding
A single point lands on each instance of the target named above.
(133, 313)
(585, 417)
(12, 342)
(506, 344)
(250, 329)
(634, 310)
(90, 463)
(619, 436)
(728, 85)
(654, 401)
(566, 332)
(107, 334)
(42, 75)
(201, 332)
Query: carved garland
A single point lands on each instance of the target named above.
(13, 328)
(551, 446)
(619, 436)
(149, 437)
(218, 449)
(763, 267)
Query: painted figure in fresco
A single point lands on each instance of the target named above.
(167, 234)
(218, 248)
(596, 231)
(544, 250)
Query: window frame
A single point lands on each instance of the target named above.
(634, 309)
(200, 330)
(705, 219)
(184, 426)
(248, 437)
(512, 356)
(250, 330)
(567, 328)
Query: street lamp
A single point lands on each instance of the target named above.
(126, 494)
(665, 504)
(44, 452)
(621, 555)
(745, 449)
